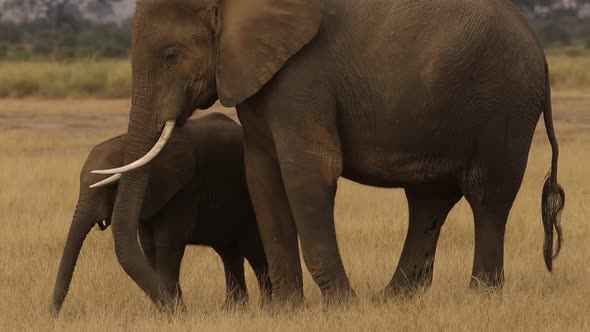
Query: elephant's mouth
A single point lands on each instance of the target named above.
(104, 224)
(208, 103)
(181, 120)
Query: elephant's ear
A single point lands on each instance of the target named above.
(256, 38)
(171, 171)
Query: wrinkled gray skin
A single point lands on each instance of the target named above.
(197, 195)
(440, 98)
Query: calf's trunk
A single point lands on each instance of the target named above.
(82, 223)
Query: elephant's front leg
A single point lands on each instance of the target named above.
(311, 163)
(273, 216)
(428, 212)
(168, 262)
(169, 251)
(165, 260)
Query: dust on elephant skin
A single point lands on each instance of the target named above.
(440, 98)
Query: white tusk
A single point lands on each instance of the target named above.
(166, 132)
(111, 179)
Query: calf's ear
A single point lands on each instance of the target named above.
(171, 171)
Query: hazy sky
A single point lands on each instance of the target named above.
(122, 9)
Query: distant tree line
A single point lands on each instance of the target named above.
(71, 39)
(547, 3)
(563, 31)
(57, 29)
(560, 26)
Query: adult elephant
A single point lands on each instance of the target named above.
(440, 98)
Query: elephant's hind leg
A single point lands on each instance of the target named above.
(235, 282)
(488, 260)
(259, 265)
(428, 212)
(491, 206)
(490, 187)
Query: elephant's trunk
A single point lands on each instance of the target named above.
(128, 205)
(82, 223)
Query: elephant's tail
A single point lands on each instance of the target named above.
(553, 196)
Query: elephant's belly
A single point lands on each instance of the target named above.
(403, 153)
(398, 140)
(219, 222)
(401, 170)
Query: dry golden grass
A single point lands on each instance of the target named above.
(39, 176)
(569, 72)
(80, 78)
(570, 69)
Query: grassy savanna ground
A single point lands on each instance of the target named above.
(43, 145)
(570, 69)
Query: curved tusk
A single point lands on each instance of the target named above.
(106, 181)
(166, 133)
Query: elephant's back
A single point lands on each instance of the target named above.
(426, 57)
(104, 155)
(211, 123)
(382, 29)
(215, 133)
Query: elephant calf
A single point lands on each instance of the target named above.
(197, 195)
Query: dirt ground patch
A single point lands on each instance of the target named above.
(571, 111)
(72, 114)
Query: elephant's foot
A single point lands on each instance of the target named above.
(428, 213)
(54, 311)
(283, 300)
(236, 299)
(278, 307)
(343, 295)
(171, 302)
(405, 290)
(413, 274)
(397, 292)
(488, 263)
(486, 281)
(172, 307)
(265, 298)
(231, 305)
(407, 285)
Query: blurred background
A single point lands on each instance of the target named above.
(65, 85)
(52, 41)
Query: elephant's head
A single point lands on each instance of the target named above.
(186, 54)
(173, 170)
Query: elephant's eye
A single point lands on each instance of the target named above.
(171, 57)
